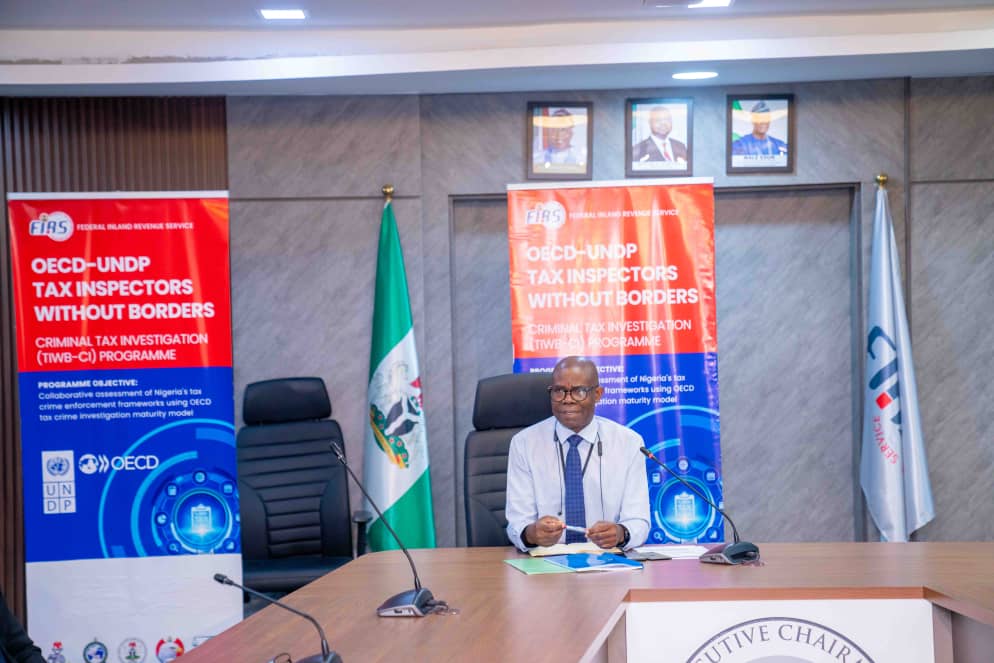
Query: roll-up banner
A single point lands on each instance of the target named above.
(623, 273)
(123, 319)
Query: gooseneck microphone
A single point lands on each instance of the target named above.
(736, 552)
(326, 655)
(413, 603)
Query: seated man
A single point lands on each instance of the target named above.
(576, 469)
(15, 645)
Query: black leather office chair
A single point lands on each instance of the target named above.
(295, 513)
(504, 405)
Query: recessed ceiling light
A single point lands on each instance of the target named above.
(283, 14)
(703, 4)
(695, 75)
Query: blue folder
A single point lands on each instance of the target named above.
(586, 562)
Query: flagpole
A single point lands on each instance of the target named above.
(395, 461)
(893, 461)
(881, 181)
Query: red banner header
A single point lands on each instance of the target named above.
(121, 283)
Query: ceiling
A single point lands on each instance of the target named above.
(53, 47)
(227, 14)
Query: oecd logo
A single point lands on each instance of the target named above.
(57, 226)
(550, 214)
(88, 464)
(93, 463)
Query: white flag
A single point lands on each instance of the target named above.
(893, 468)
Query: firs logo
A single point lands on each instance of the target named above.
(886, 384)
(885, 381)
(552, 215)
(57, 226)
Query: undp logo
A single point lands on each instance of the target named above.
(551, 214)
(56, 226)
(779, 640)
(57, 466)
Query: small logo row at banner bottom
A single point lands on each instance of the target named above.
(128, 650)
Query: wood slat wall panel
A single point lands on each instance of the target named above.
(11, 524)
(111, 144)
(87, 144)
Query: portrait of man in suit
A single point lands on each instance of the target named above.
(660, 137)
(659, 146)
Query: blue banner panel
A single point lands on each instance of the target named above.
(129, 463)
(672, 402)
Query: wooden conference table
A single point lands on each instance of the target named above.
(506, 615)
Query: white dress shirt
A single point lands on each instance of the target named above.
(535, 485)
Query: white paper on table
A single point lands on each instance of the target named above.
(675, 551)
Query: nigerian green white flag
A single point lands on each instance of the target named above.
(395, 457)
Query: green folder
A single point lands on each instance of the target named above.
(535, 565)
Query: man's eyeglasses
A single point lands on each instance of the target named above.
(558, 394)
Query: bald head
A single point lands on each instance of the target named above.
(660, 121)
(588, 367)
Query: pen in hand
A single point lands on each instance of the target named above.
(574, 528)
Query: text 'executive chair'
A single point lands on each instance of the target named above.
(295, 514)
(504, 405)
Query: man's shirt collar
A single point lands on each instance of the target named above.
(589, 433)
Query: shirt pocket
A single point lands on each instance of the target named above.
(549, 508)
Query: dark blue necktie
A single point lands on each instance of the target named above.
(575, 512)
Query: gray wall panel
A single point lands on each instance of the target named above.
(293, 147)
(455, 153)
(471, 144)
(481, 312)
(475, 144)
(951, 120)
(302, 299)
(953, 304)
(784, 363)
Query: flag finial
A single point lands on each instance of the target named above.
(881, 180)
(387, 192)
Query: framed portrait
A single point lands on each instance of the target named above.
(760, 134)
(660, 136)
(560, 140)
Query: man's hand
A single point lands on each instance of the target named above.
(545, 531)
(605, 534)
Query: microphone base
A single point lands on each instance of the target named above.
(413, 603)
(318, 658)
(731, 553)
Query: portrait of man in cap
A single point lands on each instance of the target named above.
(559, 141)
(760, 133)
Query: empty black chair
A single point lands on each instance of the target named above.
(504, 405)
(295, 514)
